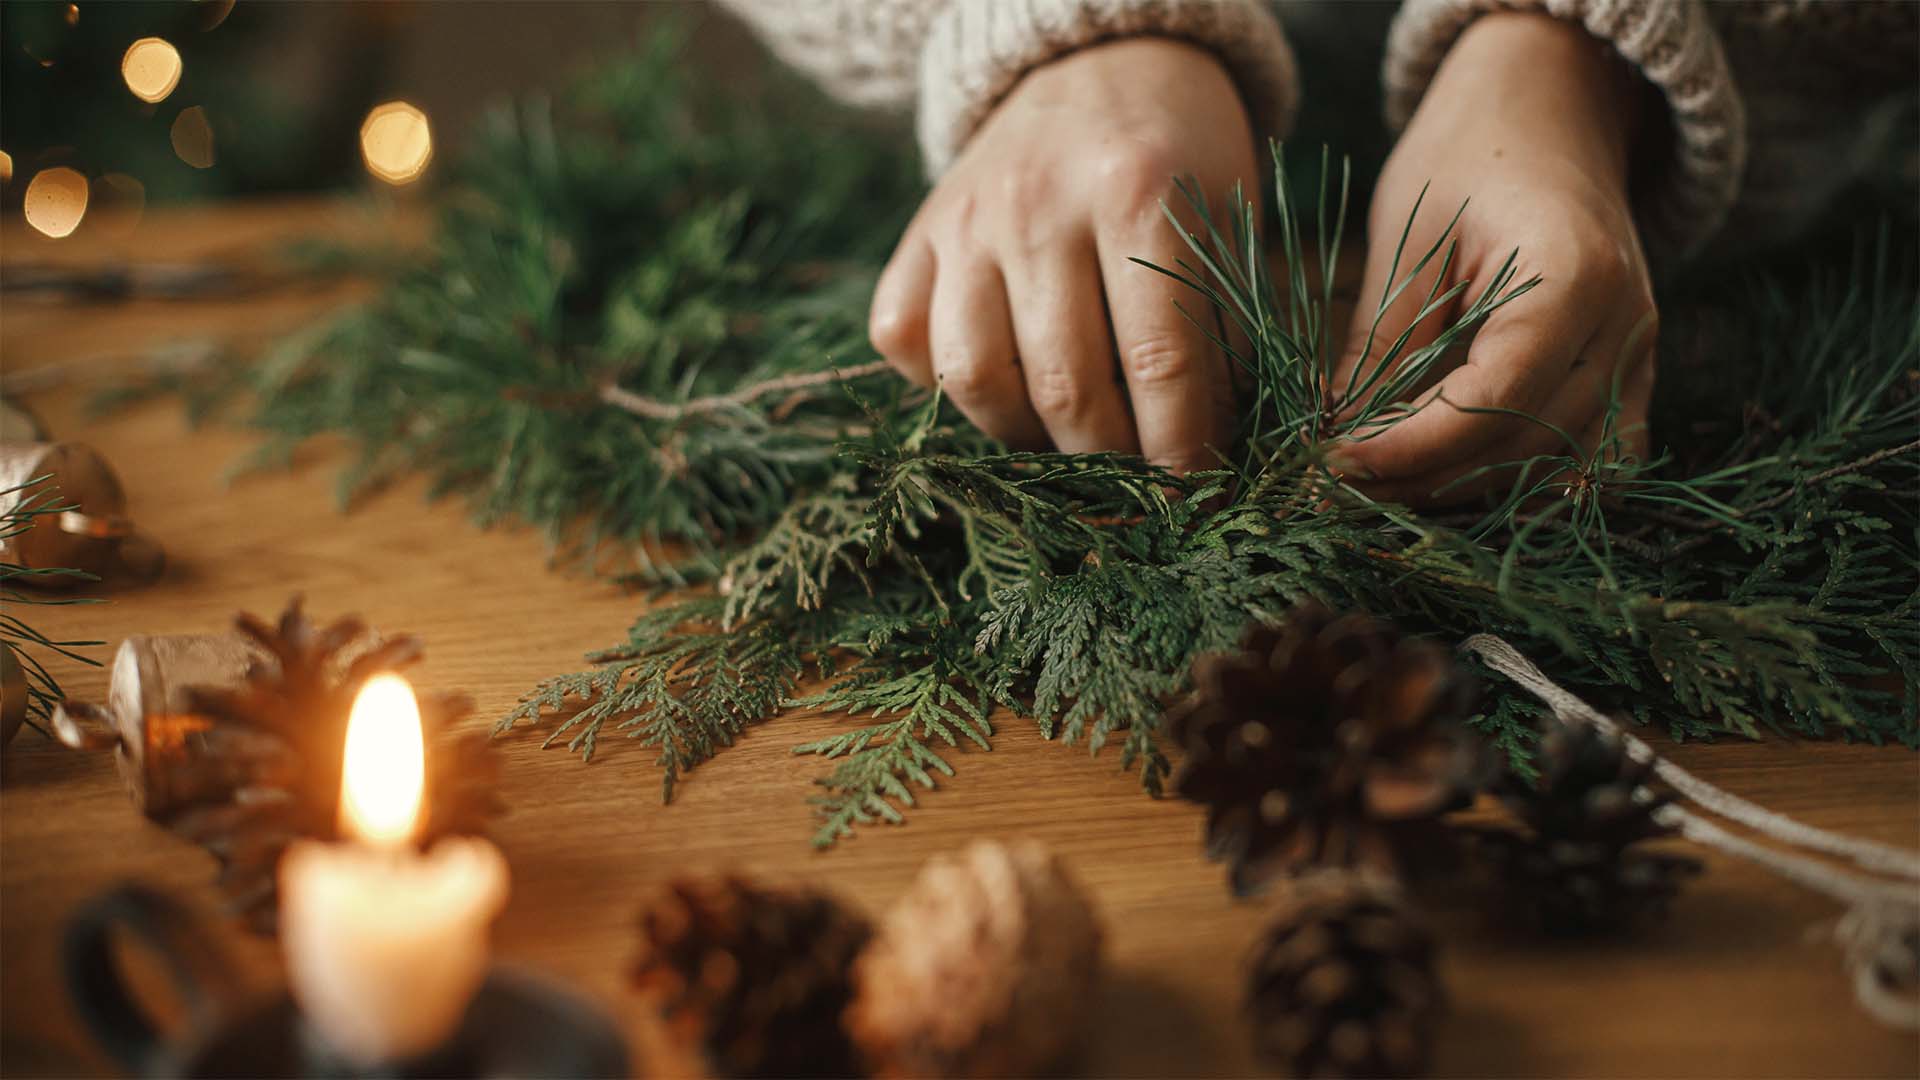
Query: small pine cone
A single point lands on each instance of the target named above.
(1317, 741)
(1343, 982)
(1574, 863)
(754, 978)
(264, 757)
(984, 968)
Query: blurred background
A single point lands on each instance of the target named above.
(110, 106)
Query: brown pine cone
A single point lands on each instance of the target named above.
(1317, 742)
(754, 979)
(266, 755)
(1573, 863)
(1343, 983)
(984, 968)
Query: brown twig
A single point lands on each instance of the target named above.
(654, 409)
(1711, 529)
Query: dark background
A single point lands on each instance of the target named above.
(285, 86)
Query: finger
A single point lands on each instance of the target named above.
(1388, 326)
(1577, 410)
(1517, 362)
(1632, 367)
(1177, 379)
(1521, 445)
(1636, 399)
(898, 323)
(973, 353)
(1066, 349)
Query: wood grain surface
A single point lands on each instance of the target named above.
(1736, 983)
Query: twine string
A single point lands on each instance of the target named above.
(1880, 932)
(1867, 854)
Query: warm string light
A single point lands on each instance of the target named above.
(383, 769)
(119, 201)
(151, 68)
(193, 137)
(56, 200)
(213, 12)
(396, 142)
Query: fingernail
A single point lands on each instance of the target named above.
(1342, 461)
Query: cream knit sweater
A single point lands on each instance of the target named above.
(1774, 104)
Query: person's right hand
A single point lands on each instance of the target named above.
(1013, 289)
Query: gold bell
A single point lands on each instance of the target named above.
(84, 525)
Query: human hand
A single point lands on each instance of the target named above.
(1531, 118)
(1012, 287)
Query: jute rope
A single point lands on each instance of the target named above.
(1880, 932)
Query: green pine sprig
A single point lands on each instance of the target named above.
(30, 504)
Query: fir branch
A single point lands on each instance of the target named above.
(681, 684)
(877, 763)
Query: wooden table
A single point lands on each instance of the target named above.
(1732, 985)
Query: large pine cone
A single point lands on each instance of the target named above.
(1343, 982)
(1319, 741)
(754, 979)
(1574, 863)
(985, 968)
(267, 754)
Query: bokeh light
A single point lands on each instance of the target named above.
(119, 202)
(56, 200)
(72, 14)
(6, 167)
(193, 137)
(396, 142)
(213, 12)
(151, 68)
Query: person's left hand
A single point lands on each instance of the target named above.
(1531, 119)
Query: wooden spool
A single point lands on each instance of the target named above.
(94, 534)
(155, 738)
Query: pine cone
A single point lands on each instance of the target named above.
(754, 978)
(268, 754)
(1318, 742)
(984, 968)
(1343, 982)
(1574, 863)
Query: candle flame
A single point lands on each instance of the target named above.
(384, 768)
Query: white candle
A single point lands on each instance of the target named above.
(385, 947)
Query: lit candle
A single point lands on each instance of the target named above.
(385, 947)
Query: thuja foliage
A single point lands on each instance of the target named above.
(31, 503)
(627, 329)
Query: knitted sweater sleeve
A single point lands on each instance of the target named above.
(954, 60)
(1774, 106)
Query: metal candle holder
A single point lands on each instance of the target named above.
(517, 1024)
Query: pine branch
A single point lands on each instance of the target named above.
(31, 504)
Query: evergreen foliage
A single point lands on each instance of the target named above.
(27, 504)
(618, 336)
